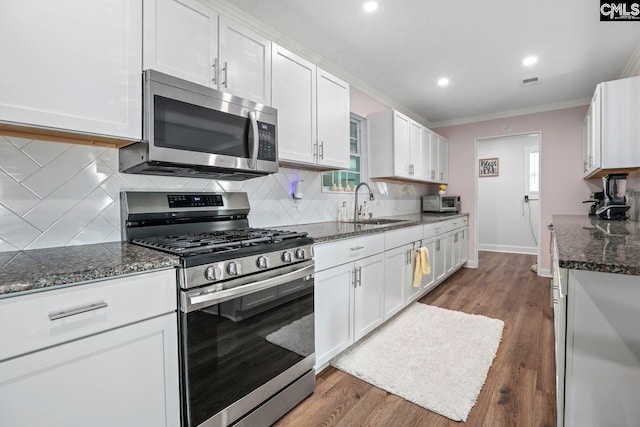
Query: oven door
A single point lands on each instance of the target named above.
(186, 123)
(241, 346)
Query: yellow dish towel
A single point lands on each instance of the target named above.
(423, 266)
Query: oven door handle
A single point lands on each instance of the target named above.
(198, 299)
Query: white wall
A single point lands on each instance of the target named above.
(503, 219)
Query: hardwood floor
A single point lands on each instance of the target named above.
(520, 387)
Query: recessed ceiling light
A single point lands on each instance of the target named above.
(530, 60)
(370, 6)
(443, 82)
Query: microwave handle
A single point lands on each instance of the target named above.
(253, 142)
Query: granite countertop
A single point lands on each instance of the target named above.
(587, 243)
(44, 269)
(334, 230)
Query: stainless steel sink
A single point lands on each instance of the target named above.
(381, 221)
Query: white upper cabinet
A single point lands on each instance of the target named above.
(181, 39)
(333, 121)
(313, 113)
(293, 84)
(244, 62)
(405, 149)
(613, 128)
(186, 39)
(72, 66)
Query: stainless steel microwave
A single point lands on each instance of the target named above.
(191, 130)
(440, 203)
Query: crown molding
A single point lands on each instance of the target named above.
(513, 113)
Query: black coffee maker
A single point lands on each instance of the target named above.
(615, 201)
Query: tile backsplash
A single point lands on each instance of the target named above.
(55, 194)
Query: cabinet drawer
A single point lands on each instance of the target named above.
(396, 238)
(342, 251)
(43, 319)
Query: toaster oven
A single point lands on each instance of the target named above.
(440, 203)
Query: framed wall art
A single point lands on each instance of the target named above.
(489, 167)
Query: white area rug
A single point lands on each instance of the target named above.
(436, 358)
(289, 336)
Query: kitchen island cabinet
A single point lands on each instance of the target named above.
(99, 354)
(596, 297)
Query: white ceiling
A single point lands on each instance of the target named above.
(404, 47)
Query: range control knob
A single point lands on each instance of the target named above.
(262, 262)
(286, 256)
(233, 268)
(212, 273)
(300, 253)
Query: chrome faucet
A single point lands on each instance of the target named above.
(355, 207)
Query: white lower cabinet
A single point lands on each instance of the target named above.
(349, 296)
(94, 365)
(363, 281)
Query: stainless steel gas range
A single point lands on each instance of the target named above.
(245, 305)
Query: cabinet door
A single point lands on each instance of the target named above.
(397, 279)
(73, 65)
(124, 377)
(294, 95)
(451, 253)
(593, 152)
(369, 293)
(181, 39)
(443, 160)
(333, 121)
(463, 244)
(429, 281)
(434, 158)
(333, 300)
(416, 163)
(244, 62)
(426, 156)
(401, 137)
(440, 258)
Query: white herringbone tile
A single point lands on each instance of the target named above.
(15, 230)
(14, 162)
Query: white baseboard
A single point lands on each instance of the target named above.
(510, 249)
(471, 263)
(545, 273)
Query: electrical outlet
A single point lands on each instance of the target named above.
(526, 199)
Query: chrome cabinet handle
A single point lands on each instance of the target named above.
(215, 71)
(77, 310)
(226, 74)
(359, 276)
(321, 156)
(355, 277)
(357, 248)
(255, 141)
(315, 151)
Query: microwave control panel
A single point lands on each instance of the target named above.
(267, 142)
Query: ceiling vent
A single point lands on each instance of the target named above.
(530, 81)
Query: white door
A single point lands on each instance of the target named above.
(294, 96)
(124, 377)
(181, 39)
(369, 293)
(333, 302)
(333, 120)
(244, 62)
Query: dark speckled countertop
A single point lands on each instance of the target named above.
(43, 269)
(586, 243)
(334, 230)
